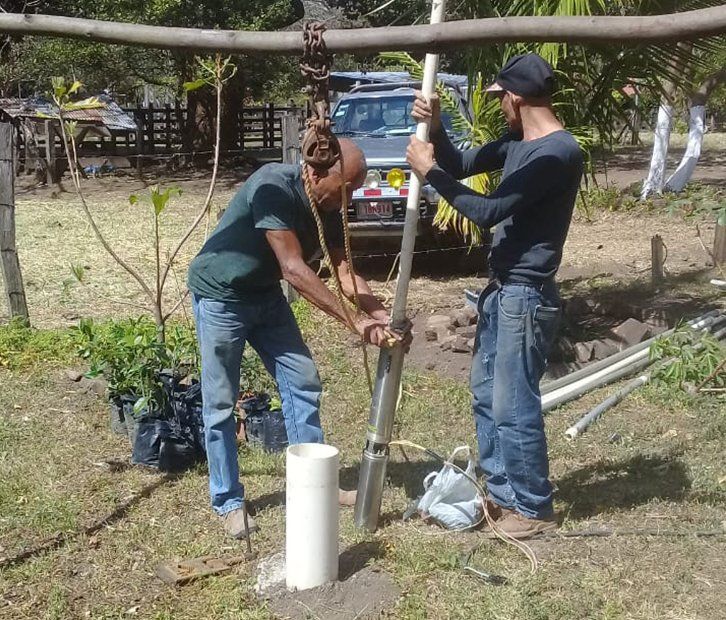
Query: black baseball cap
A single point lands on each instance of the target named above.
(527, 75)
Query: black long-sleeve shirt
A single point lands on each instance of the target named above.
(532, 205)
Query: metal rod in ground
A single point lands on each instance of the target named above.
(390, 362)
(596, 412)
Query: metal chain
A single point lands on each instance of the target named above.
(321, 150)
(320, 147)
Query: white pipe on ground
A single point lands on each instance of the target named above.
(589, 369)
(311, 547)
(611, 373)
(594, 414)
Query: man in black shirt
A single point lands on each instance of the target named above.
(519, 311)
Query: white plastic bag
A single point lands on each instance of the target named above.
(450, 498)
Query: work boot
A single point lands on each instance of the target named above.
(234, 524)
(518, 526)
(496, 513)
(346, 498)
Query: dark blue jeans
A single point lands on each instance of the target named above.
(223, 329)
(517, 325)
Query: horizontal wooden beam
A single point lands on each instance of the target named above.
(682, 26)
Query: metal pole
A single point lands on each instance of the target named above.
(390, 361)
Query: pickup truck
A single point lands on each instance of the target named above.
(377, 117)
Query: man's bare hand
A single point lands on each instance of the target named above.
(402, 334)
(424, 111)
(372, 331)
(420, 156)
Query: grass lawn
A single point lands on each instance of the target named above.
(666, 473)
(62, 470)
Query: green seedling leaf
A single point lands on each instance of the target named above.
(140, 405)
(133, 199)
(195, 85)
(78, 271)
(59, 87)
(71, 127)
(84, 104)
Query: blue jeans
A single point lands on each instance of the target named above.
(223, 328)
(517, 325)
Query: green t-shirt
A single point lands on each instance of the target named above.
(237, 260)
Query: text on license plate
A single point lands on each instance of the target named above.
(374, 210)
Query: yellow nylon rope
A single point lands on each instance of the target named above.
(307, 183)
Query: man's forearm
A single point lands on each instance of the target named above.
(312, 288)
(369, 303)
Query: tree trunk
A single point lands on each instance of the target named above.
(656, 175)
(696, 128)
(719, 245)
(12, 275)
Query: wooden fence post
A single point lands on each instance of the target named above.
(139, 141)
(290, 138)
(50, 163)
(8, 252)
(657, 259)
(719, 245)
(290, 155)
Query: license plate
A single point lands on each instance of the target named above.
(375, 210)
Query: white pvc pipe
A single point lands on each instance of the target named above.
(410, 227)
(311, 547)
(615, 371)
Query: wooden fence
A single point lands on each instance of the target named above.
(160, 129)
(159, 136)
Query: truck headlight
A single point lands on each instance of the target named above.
(396, 178)
(373, 179)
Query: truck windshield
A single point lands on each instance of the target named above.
(378, 116)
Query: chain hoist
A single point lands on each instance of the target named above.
(321, 150)
(320, 146)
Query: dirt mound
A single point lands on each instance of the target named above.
(363, 595)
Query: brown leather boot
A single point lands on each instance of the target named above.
(496, 513)
(234, 524)
(518, 526)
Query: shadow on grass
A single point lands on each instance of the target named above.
(402, 474)
(269, 500)
(615, 302)
(605, 485)
(358, 556)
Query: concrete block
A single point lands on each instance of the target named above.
(604, 348)
(630, 332)
(468, 331)
(460, 345)
(583, 351)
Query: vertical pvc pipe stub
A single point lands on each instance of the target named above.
(311, 545)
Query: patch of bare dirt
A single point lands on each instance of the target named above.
(364, 594)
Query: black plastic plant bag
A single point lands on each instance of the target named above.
(275, 432)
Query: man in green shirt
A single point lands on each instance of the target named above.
(268, 233)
